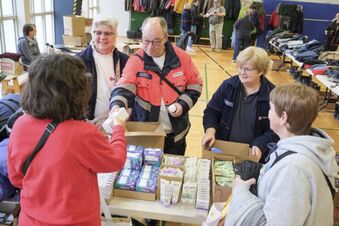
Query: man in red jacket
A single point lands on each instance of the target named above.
(160, 84)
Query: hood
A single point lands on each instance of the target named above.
(317, 146)
(21, 38)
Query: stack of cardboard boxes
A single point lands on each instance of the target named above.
(11, 69)
(74, 31)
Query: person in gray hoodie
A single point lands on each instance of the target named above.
(27, 45)
(296, 190)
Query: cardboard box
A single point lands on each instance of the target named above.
(220, 193)
(171, 179)
(230, 150)
(239, 150)
(134, 194)
(74, 40)
(9, 66)
(146, 134)
(10, 207)
(74, 25)
(88, 22)
(131, 48)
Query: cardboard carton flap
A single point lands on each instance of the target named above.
(239, 150)
(144, 128)
(146, 134)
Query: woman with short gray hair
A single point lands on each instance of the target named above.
(105, 63)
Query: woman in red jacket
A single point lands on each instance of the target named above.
(60, 185)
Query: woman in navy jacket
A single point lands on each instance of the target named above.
(238, 110)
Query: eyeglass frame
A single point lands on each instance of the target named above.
(105, 33)
(246, 69)
(154, 42)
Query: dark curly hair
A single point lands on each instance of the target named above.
(28, 28)
(58, 88)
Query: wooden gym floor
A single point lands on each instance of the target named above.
(216, 67)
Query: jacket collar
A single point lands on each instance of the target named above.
(264, 90)
(87, 55)
(171, 61)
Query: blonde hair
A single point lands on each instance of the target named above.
(255, 55)
(301, 104)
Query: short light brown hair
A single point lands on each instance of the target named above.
(255, 55)
(301, 104)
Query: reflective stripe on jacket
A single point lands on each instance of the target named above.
(141, 88)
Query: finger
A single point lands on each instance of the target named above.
(251, 181)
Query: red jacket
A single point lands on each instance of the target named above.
(140, 87)
(60, 186)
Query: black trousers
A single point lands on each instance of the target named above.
(177, 148)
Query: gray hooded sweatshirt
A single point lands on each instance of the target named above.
(28, 48)
(294, 191)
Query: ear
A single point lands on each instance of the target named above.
(283, 118)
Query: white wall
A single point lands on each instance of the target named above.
(116, 8)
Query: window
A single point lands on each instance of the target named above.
(8, 26)
(42, 16)
(93, 8)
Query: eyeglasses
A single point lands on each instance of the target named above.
(155, 42)
(105, 33)
(246, 69)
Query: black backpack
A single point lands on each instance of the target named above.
(8, 106)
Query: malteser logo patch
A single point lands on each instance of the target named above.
(177, 74)
(144, 75)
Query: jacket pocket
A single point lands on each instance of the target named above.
(143, 82)
(179, 82)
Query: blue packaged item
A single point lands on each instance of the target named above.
(216, 150)
(127, 179)
(152, 156)
(146, 185)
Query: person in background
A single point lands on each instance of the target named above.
(105, 63)
(61, 181)
(243, 28)
(196, 20)
(216, 16)
(296, 186)
(255, 19)
(185, 26)
(239, 108)
(143, 88)
(27, 45)
(331, 33)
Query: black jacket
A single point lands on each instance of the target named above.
(219, 113)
